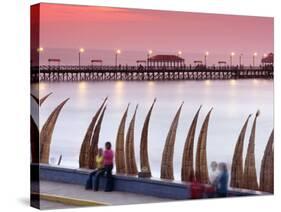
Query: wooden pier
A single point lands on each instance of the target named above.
(140, 73)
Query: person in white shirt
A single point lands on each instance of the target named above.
(214, 172)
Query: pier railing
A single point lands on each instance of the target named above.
(97, 73)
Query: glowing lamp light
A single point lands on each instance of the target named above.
(40, 49)
(81, 50)
(179, 52)
(150, 52)
(232, 53)
(118, 51)
(255, 54)
(207, 53)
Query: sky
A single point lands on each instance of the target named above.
(101, 30)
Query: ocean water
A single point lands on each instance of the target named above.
(232, 101)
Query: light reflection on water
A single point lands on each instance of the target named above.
(232, 100)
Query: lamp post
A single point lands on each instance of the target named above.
(264, 56)
(205, 58)
(39, 50)
(179, 54)
(240, 60)
(254, 58)
(118, 51)
(81, 50)
(231, 57)
(149, 53)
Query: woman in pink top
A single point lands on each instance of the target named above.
(108, 155)
(108, 166)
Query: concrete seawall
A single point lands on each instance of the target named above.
(146, 186)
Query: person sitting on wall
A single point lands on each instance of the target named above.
(222, 181)
(99, 170)
(214, 173)
(108, 156)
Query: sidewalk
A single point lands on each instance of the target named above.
(78, 192)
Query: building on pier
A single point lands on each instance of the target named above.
(268, 59)
(96, 62)
(165, 61)
(54, 60)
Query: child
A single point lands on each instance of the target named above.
(99, 169)
(99, 159)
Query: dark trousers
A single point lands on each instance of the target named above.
(97, 178)
(89, 182)
(109, 178)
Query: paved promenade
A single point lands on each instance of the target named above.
(56, 192)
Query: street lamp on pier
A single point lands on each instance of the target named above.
(39, 50)
(264, 56)
(81, 50)
(254, 58)
(149, 53)
(232, 54)
(240, 60)
(118, 51)
(205, 57)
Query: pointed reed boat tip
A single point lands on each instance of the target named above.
(166, 171)
(66, 100)
(35, 98)
(201, 167)
(258, 113)
(128, 105)
(47, 131)
(85, 146)
(200, 107)
(94, 141)
(131, 167)
(154, 100)
(136, 108)
(41, 100)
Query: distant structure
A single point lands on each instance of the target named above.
(96, 62)
(268, 60)
(54, 60)
(165, 61)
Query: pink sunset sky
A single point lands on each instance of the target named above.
(101, 30)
